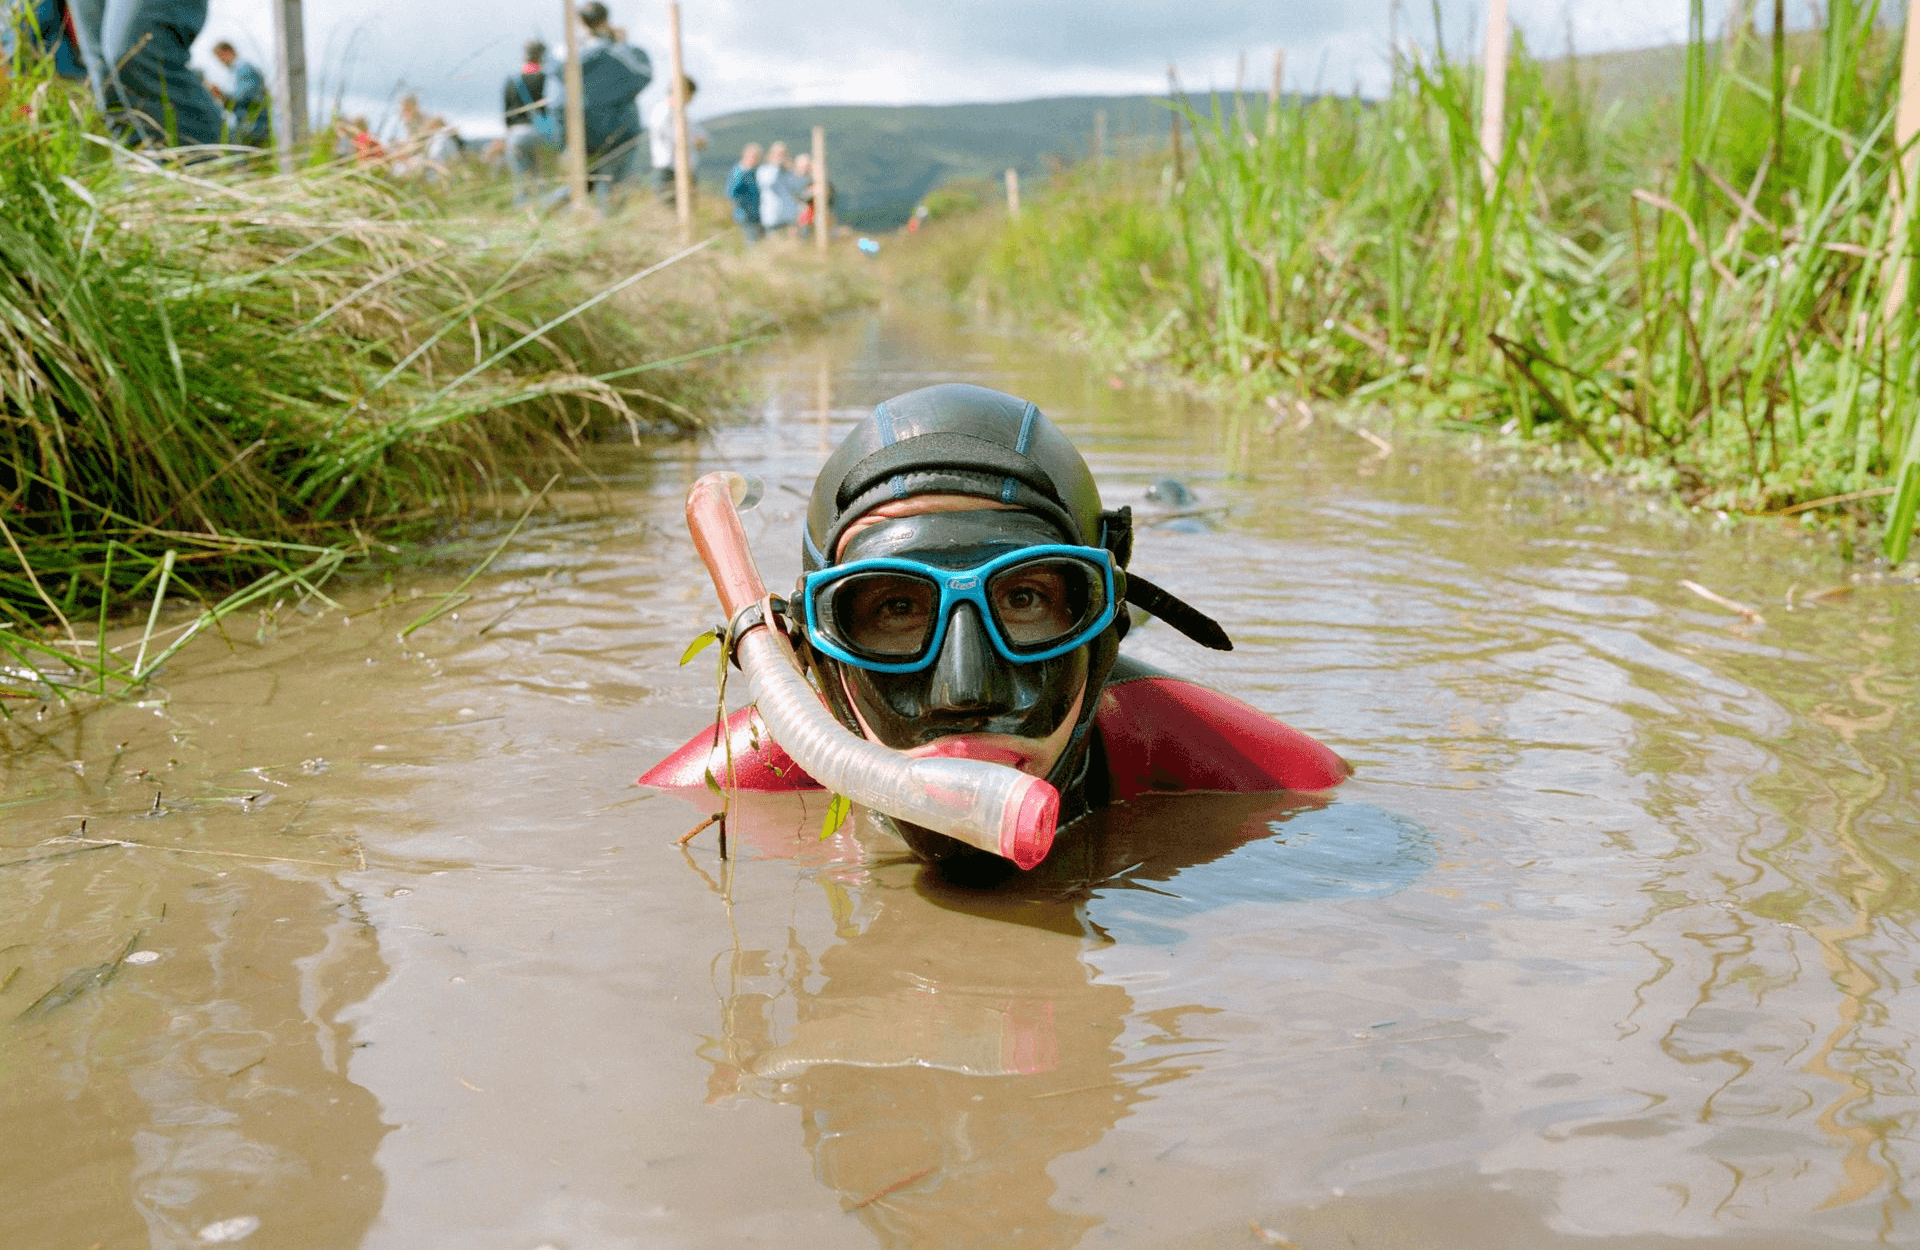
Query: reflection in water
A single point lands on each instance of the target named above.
(954, 1042)
(205, 1088)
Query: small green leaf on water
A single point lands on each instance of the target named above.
(837, 811)
(700, 644)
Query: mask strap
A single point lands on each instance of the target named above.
(1116, 533)
(1177, 612)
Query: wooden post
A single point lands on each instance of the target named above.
(1240, 122)
(1273, 95)
(1173, 93)
(1013, 193)
(682, 143)
(822, 198)
(1906, 126)
(1493, 93)
(289, 83)
(1100, 138)
(576, 111)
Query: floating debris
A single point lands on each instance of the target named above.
(222, 1232)
(76, 983)
(1732, 605)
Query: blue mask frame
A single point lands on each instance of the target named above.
(956, 586)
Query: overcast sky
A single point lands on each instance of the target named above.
(761, 53)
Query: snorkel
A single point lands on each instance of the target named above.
(986, 805)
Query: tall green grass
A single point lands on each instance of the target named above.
(214, 381)
(1694, 289)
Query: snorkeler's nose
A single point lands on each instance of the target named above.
(964, 673)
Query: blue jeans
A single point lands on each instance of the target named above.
(606, 175)
(136, 55)
(523, 160)
(609, 172)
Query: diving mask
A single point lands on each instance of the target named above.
(890, 614)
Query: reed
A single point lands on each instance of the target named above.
(1693, 290)
(214, 380)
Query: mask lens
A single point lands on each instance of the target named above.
(1039, 602)
(881, 614)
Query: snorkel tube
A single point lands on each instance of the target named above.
(986, 805)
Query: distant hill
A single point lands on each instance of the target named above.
(885, 159)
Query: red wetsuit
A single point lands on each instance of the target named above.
(1159, 734)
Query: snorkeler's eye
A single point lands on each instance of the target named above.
(886, 614)
(1033, 606)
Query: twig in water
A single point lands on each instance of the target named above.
(1386, 448)
(1732, 605)
(695, 832)
(76, 983)
(199, 850)
(895, 1187)
(507, 611)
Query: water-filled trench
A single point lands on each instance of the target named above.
(371, 942)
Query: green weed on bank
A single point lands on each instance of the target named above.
(1707, 291)
(218, 382)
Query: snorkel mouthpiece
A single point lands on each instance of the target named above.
(984, 804)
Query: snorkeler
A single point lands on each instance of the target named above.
(965, 595)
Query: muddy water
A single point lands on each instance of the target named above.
(372, 943)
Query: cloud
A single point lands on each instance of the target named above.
(761, 53)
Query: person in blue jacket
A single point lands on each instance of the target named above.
(743, 191)
(41, 28)
(613, 73)
(136, 57)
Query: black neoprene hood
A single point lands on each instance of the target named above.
(962, 440)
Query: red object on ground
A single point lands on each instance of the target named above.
(1162, 734)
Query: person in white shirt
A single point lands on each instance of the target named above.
(660, 141)
(780, 192)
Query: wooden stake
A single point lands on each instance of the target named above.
(1906, 125)
(682, 144)
(1173, 94)
(1100, 138)
(289, 83)
(822, 210)
(1273, 96)
(1240, 98)
(1013, 193)
(576, 110)
(1493, 93)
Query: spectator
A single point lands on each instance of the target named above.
(445, 147)
(136, 57)
(42, 28)
(612, 76)
(247, 115)
(743, 189)
(661, 141)
(780, 190)
(810, 195)
(354, 138)
(530, 125)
